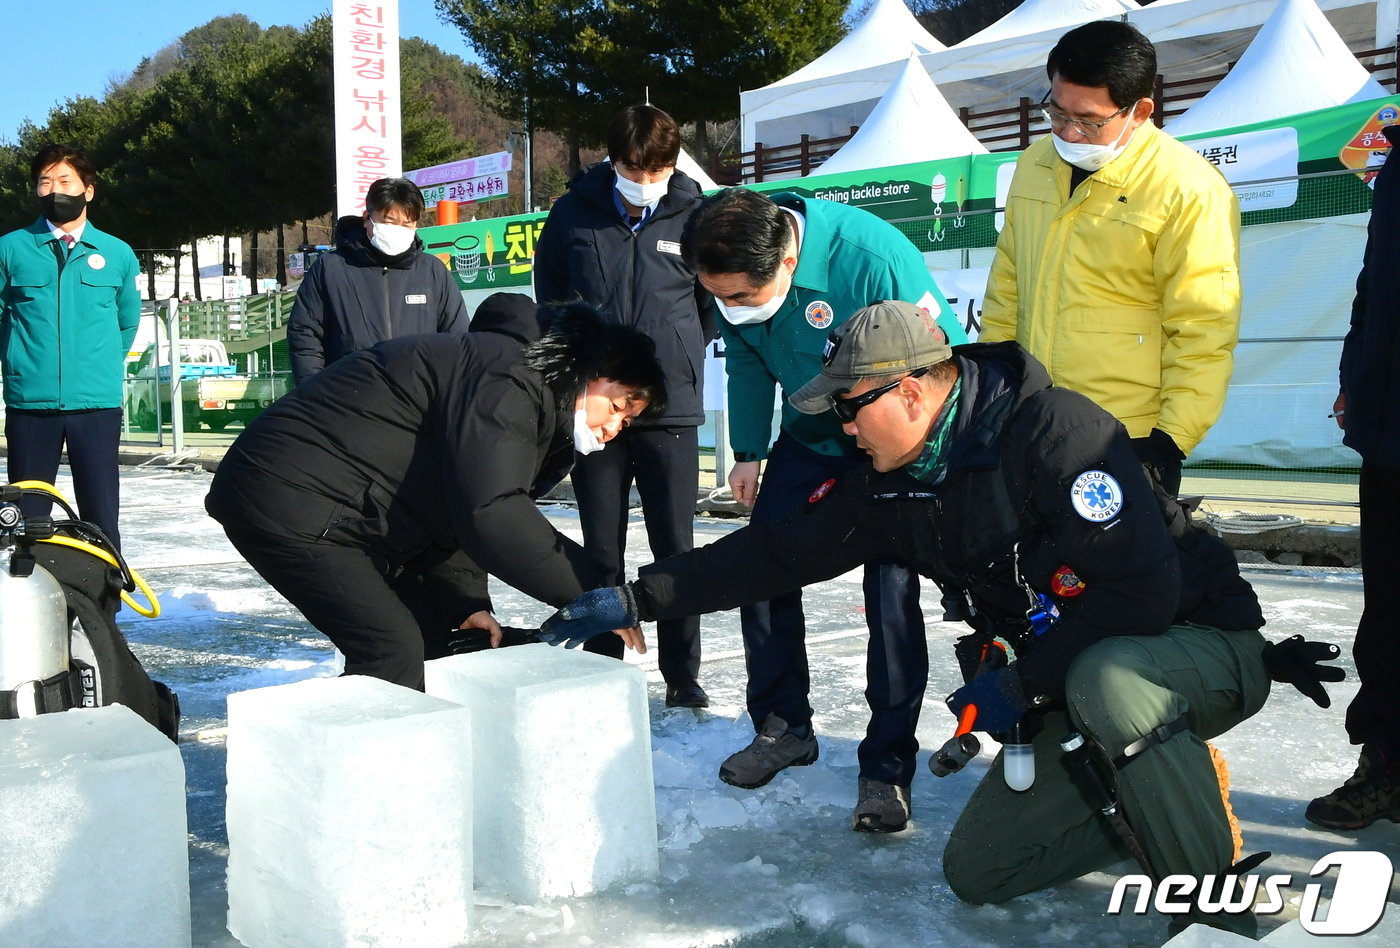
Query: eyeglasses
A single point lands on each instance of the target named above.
(846, 408)
(1085, 127)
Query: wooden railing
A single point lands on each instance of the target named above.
(1009, 128)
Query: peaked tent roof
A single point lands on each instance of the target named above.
(1296, 63)
(693, 170)
(887, 33)
(1036, 16)
(912, 122)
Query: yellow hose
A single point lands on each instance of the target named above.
(154, 609)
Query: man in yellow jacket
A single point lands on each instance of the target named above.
(1118, 261)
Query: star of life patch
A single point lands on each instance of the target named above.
(1096, 496)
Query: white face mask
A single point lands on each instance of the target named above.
(746, 315)
(585, 441)
(1089, 156)
(391, 239)
(642, 195)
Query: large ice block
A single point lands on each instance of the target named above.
(565, 803)
(93, 847)
(349, 816)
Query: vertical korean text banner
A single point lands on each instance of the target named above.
(368, 143)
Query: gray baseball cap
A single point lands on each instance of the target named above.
(885, 338)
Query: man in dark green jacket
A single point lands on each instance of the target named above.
(69, 307)
(785, 271)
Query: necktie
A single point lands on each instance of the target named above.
(67, 243)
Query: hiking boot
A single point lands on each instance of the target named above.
(1370, 794)
(686, 694)
(774, 749)
(880, 807)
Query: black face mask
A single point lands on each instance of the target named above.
(62, 208)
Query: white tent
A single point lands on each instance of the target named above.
(913, 122)
(692, 169)
(1037, 16)
(887, 33)
(1193, 38)
(843, 84)
(1296, 63)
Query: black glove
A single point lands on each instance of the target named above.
(1298, 662)
(595, 612)
(999, 697)
(1161, 458)
(465, 641)
(977, 653)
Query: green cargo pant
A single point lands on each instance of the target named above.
(1006, 843)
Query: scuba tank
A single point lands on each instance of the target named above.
(35, 673)
(61, 585)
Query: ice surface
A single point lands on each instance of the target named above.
(565, 803)
(92, 832)
(1386, 934)
(829, 887)
(349, 816)
(1203, 936)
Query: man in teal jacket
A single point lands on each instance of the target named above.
(69, 307)
(785, 272)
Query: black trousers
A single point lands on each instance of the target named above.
(664, 464)
(384, 624)
(36, 440)
(775, 649)
(1373, 717)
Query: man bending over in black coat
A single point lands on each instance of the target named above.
(379, 495)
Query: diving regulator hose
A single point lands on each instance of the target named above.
(108, 552)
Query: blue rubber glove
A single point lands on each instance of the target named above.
(595, 612)
(999, 697)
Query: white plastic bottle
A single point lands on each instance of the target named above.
(1018, 761)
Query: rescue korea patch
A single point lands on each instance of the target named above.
(821, 491)
(819, 314)
(1065, 583)
(1096, 496)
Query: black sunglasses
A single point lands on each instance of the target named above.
(846, 408)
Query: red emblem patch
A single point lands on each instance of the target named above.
(1065, 583)
(821, 491)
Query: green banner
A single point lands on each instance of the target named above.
(488, 254)
(1285, 169)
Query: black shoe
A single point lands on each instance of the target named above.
(687, 694)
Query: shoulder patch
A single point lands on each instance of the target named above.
(819, 314)
(1096, 496)
(1065, 582)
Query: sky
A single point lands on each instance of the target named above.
(96, 41)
